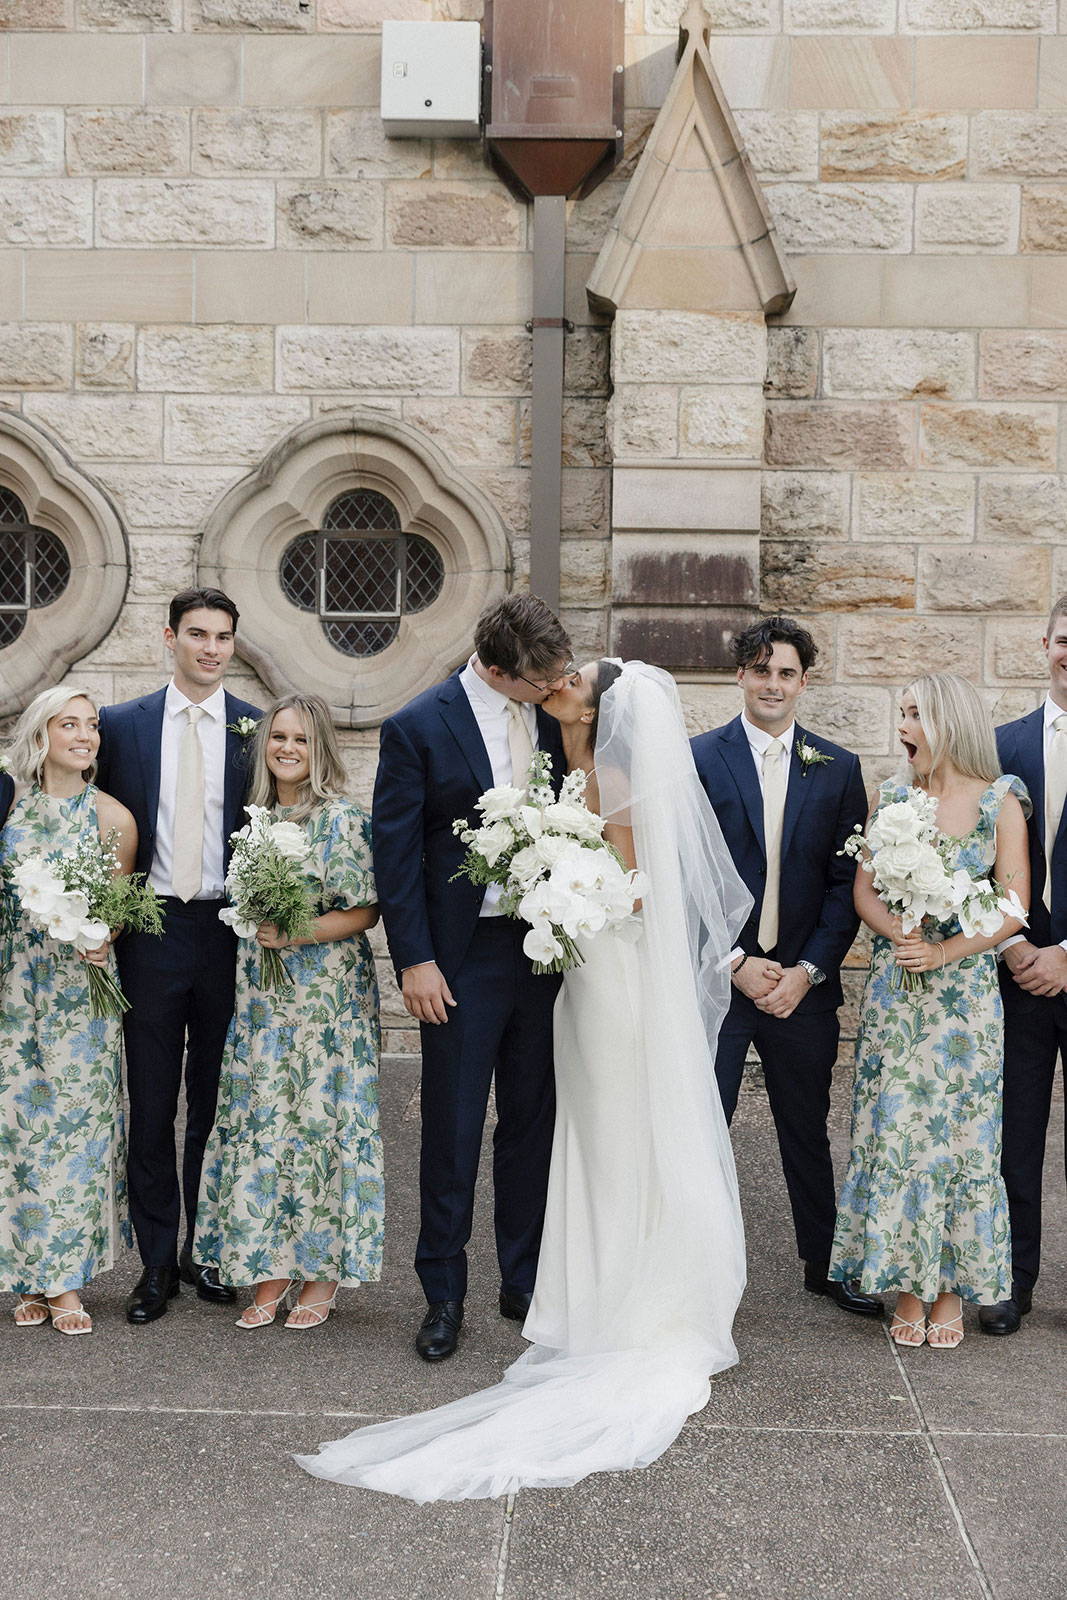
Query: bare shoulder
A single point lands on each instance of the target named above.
(111, 813)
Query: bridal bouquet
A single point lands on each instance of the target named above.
(265, 884)
(555, 868)
(910, 862)
(79, 898)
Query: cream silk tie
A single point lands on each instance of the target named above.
(775, 776)
(520, 744)
(188, 865)
(1055, 793)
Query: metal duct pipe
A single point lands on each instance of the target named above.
(548, 327)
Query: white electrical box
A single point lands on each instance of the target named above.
(431, 79)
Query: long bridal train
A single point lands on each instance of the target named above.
(642, 1260)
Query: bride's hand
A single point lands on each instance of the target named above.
(916, 954)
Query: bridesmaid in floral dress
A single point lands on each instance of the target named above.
(292, 1186)
(923, 1207)
(62, 1133)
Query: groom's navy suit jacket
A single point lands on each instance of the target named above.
(433, 767)
(131, 737)
(1021, 747)
(7, 794)
(817, 921)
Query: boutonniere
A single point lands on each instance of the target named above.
(3, 762)
(809, 757)
(244, 727)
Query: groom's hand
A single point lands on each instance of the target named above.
(787, 994)
(1038, 971)
(426, 994)
(757, 977)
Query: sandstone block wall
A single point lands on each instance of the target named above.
(206, 241)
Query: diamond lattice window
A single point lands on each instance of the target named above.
(34, 567)
(361, 573)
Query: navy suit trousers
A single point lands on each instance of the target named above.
(181, 994)
(1035, 1032)
(798, 1055)
(502, 1024)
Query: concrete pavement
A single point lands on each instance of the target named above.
(153, 1464)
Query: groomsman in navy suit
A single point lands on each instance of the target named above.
(1033, 977)
(786, 801)
(175, 759)
(460, 963)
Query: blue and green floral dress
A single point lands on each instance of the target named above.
(62, 1130)
(923, 1206)
(293, 1179)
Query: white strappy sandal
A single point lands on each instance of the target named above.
(919, 1325)
(261, 1308)
(946, 1327)
(31, 1302)
(320, 1310)
(57, 1313)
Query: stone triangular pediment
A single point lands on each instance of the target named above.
(693, 232)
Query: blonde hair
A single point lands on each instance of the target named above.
(326, 776)
(957, 725)
(29, 742)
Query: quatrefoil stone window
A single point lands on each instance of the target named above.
(360, 560)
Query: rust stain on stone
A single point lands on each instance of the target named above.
(686, 578)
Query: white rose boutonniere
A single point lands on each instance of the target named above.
(810, 757)
(244, 727)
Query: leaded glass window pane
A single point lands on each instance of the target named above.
(34, 567)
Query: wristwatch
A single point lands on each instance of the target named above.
(815, 974)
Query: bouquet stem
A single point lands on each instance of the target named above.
(273, 973)
(106, 999)
(572, 957)
(910, 982)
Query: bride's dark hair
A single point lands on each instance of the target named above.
(606, 673)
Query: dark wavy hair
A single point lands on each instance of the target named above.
(519, 635)
(194, 600)
(606, 673)
(754, 644)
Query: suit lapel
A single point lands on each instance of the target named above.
(461, 723)
(737, 754)
(797, 789)
(549, 738)
(235, 778)
(149, 748)
(1029, 765)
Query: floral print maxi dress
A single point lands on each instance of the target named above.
(292, 1184)
(923, 1206)
(62, 1131)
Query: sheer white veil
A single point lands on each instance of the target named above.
(614, 1391)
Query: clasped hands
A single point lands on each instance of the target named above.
(1038, 969)
(771, 987)
(914, 953)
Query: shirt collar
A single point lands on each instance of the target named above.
(176, 702)
(491, 698)
(759, 738)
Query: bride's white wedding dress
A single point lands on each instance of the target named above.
(642, 1258)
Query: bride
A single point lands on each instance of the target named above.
(642, 1258)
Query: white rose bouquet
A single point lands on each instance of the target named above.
(80, 898)
(555, 868)
(909, 860)
(265, 884)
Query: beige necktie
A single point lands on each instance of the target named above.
(775, 777)
(519, 743)
(188, 865)
(1055, 793)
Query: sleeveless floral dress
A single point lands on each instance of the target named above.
(293, 1184)
(62, 1129)
(923, 1206)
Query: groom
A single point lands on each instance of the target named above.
(460, 963)
(786, 801)
(174, 759)
(1033, 978)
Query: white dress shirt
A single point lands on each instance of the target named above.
(1052, 711)
(211, 730)
(758, 740)
(491, 713)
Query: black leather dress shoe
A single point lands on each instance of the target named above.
(205, 1280)
(439, 1333)
(846, 1295)
(155, 1287)
(1006, 1315)
(514, 1304)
